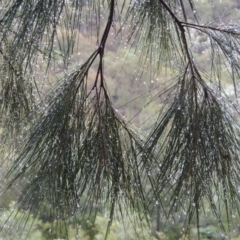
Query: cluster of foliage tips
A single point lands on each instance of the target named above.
(70, 152)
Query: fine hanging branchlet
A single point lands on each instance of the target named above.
(81, 156)
(196, 141)
(28, 24)
(28, 30)
(151, 29)
(17, 99)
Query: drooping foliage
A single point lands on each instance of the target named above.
(79, 155)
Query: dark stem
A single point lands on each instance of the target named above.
(108, 26)
(180, 25)
(100, 50)
(200, 27)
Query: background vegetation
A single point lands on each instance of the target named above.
(131, 86)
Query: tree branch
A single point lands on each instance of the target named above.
(183, 35)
